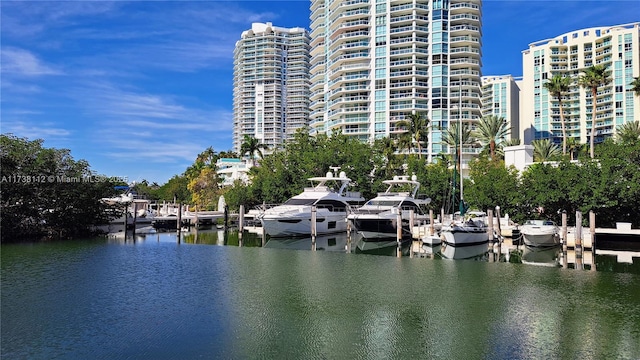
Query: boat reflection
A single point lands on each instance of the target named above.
(542, 256)
(476, 252)
(387, 247)
(323, 243)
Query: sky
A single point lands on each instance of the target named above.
(139, 88)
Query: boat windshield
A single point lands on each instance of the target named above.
(374, 202)
(300, 202)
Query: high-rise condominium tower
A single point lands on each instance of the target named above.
(270, 84)
(617, 47)
(500, 97)
(375, 61)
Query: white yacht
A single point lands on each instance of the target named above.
(378, 217)
(331, 200)
(540, 233)
(472, 230)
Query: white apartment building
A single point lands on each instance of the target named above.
(270, 84)
(617, 47)
(374, 62)
(501, 98)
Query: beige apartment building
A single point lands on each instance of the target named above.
(617, 47)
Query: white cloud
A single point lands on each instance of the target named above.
(41, 131)
(22, 62)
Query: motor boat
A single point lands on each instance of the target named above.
(378, 217)
(540, 233)
(470, 230)
(293, 218)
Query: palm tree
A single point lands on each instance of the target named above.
(252, 146)
(544, 150)
(635, 86)
(491, 130)
(573, 146)
(451, 137)
(594, 77)
(557, 86)
(417, 127)
(387, 147)
(628, 133)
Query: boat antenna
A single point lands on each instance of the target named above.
(334, 169)
(462, 207)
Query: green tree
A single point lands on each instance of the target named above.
(176, 189)
(493, 184)
(417, 126)
(628, 133)
(435, 181)
(251, 145)
(594, 77)
(388, 162)
(47, 194)
(544, 150)
(491, 130)
(558, 86)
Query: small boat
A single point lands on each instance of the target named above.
(293, 218)
(540, 233)
(472, 230)
(378, 217)
(431, 240)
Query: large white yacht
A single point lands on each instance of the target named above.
(378, 217)
(331, 199)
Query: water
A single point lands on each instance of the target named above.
(157, 298)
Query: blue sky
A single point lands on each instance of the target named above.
(139, 88)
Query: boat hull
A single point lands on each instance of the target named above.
(300, 224)
(381, 227)
(459, 235)
(378, 229)
(540, 235)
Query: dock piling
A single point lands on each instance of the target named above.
(241, 222)
(399, 226)
(564, 231)
(314, 228)
(179, 222)
(490, 215)
(432, 228)
(592, 230)
(499, 227)
(578, 232)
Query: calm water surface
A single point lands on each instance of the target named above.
(155, 298)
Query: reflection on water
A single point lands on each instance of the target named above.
(181, 296)
(542, 256)
(476, 252)
(612, 261)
